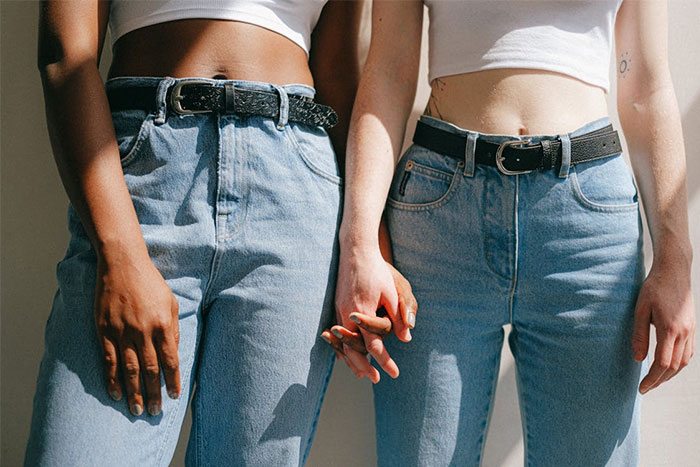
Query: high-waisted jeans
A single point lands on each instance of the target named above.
(556, 254)
(240, 216)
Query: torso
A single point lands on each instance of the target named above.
(210, 48)
(516, 101)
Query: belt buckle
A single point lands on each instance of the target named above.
(176, 96)
(500, 157)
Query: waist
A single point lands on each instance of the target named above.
(516, 101)
(218, 49)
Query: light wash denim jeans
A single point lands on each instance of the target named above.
(240, 216)
(556, 254)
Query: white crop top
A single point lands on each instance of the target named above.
(294, 19)
(573, 37)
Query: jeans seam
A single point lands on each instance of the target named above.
(318, 409)
(492, 392)
(171, 418)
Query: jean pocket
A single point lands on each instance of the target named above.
(315, 149)
(423, 180)
(604, 185)
(131, 128)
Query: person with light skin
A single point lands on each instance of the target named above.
(514, 206)
(205, 203)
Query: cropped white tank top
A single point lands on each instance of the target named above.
(573, 37)
(294, 19)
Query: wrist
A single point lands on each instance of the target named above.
(677, 255)
(358, 240)
(116, 250)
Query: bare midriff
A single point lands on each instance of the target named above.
(516, 101)
(209, 48)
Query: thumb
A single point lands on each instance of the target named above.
(640, 335)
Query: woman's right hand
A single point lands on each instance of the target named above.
(136, 315)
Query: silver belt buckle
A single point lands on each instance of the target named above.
(176, 96)
(500, 157)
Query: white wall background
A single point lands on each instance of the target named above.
(34, 236)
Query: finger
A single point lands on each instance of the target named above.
(334, 342)
(662, 362)
(375, 324)
(151, 377)
(375, 347)
(391, 303)
(640, 334)
(678, 351)
(111, 366)
(361, 364)
(349, 338)
(132, 378)
(166, 346)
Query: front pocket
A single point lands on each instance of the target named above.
(604, 185)
(423, 180)
(315, 149)
(131, 128)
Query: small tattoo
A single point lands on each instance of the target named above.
(432, 102)
(625, 64)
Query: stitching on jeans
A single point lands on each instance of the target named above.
(515, 252)
(451, 190)
(484, 234)
(521, 397)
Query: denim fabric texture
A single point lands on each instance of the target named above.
(557, 254)
(240, 215)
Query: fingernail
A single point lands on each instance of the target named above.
(337, 333)
(173, 394)
(408, 336)
(114, 394)
(154, 409)
(328, 341)
(411, 317)
(136, 409)
(354, 319)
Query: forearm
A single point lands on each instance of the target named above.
(87, 156)
(652, 127)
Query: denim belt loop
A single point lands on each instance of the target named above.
(469, 154)
(284, 107)
(161, 99)
(565, 156)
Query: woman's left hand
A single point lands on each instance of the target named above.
(665, 300)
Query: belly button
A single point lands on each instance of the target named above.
(219, 76)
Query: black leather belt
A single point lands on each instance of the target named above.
(520, 156)
(197, 96)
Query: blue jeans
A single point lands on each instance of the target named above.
(240, 215)
(556, 254)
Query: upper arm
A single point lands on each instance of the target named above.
(641, 42)
(71, 31)
(394, 53)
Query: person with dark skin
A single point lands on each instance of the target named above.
(195, 236)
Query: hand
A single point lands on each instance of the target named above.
(667, 303)
(136, 315)
(379, 325)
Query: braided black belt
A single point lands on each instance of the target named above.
(192, 96)
(520, 156)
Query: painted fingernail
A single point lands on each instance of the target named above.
(411, 317)
(354, 319)
(408, 336)
(337, 333)
(136, 409)
(173, 394)
(328, 341)
(114, 394)
(154, 409)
